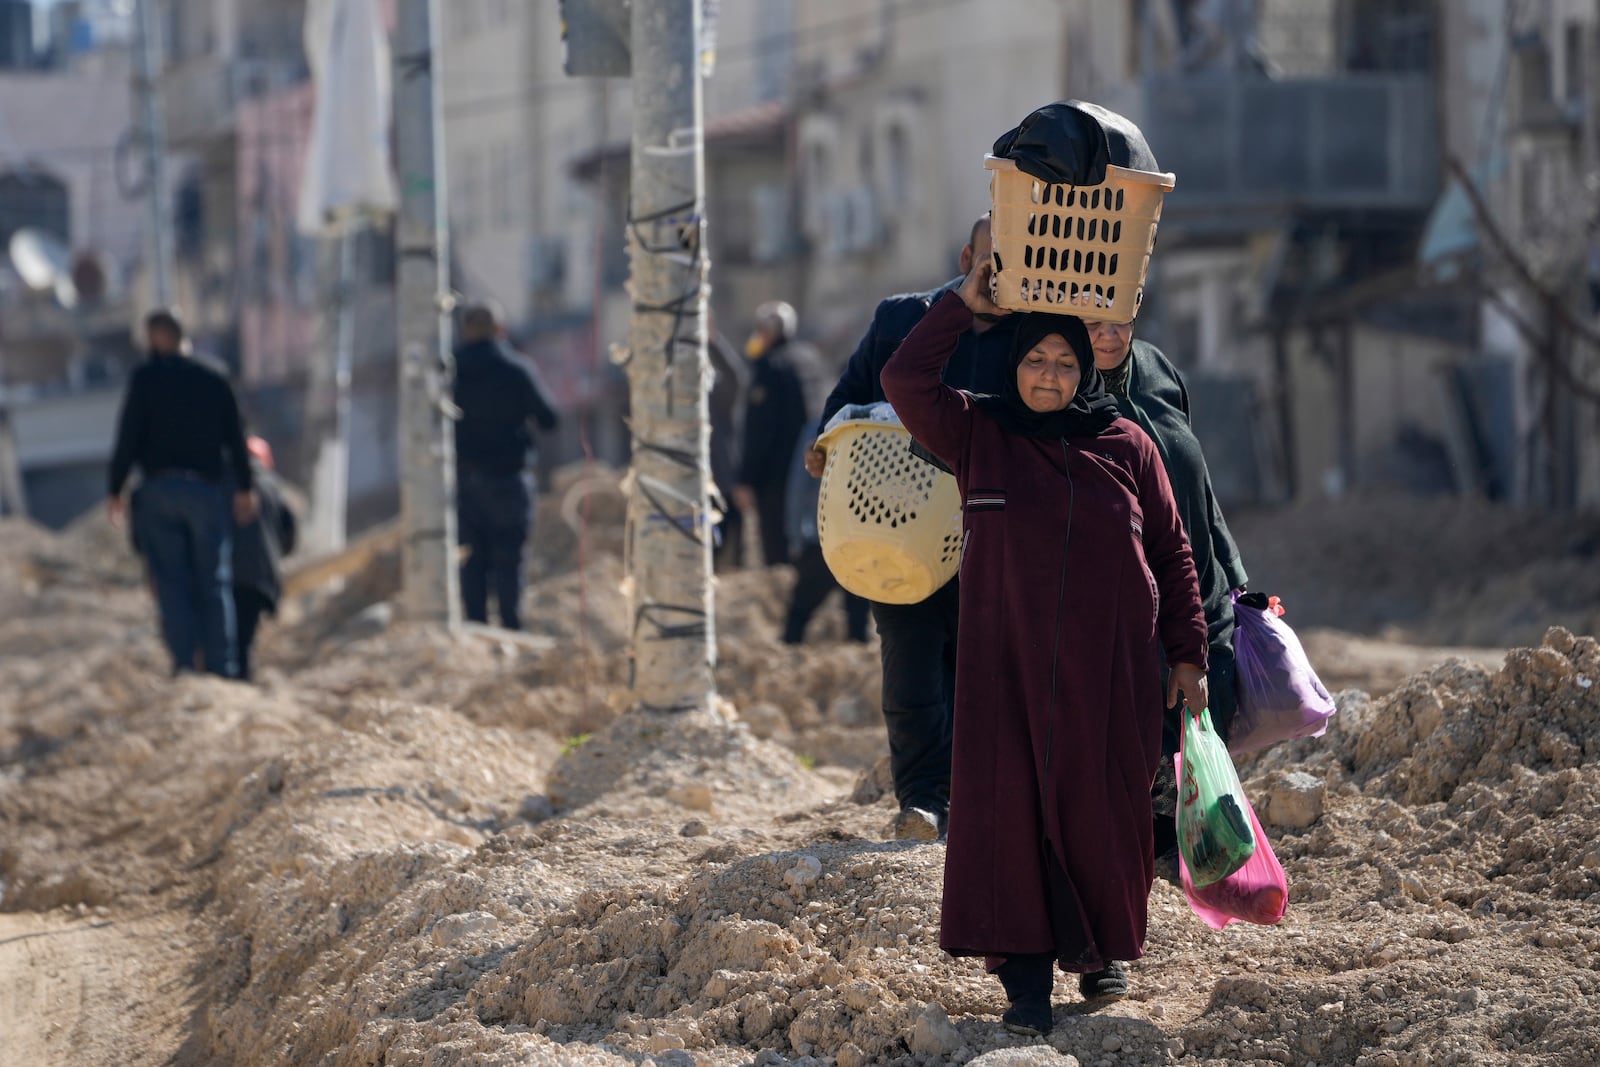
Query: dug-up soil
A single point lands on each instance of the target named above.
(402, 847)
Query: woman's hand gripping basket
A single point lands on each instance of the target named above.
(889, 521)
(1074, 249)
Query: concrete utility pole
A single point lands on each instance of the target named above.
(422, 241)
(158, 242)
(669, 524)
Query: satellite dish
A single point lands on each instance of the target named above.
(44, 264)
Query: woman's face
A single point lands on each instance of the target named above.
(1110, 341)
(1048, 375)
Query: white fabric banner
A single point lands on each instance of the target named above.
(348, 169)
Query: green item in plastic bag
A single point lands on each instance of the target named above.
(1214, 830)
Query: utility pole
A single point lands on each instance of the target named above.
(669, 538)
(422, 241)
(158, 242)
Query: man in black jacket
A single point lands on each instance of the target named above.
(784, 384)
(180, 426)
(500, 397)
(918, 641)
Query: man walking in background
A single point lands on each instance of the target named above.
(501, 400)
(784, 387)
(180, 426)
(918, 641)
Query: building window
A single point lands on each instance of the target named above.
(1573, 73)
(35, 199)
(471, 203)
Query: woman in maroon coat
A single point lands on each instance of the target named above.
(1076, 577)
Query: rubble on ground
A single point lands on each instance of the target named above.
(407, 847)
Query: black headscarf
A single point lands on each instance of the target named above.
(1092, 410)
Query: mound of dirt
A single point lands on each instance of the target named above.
(1426, 570)
(408, 847)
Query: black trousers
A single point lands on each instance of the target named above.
(813, 582)
(495, 516)
(918, 647)
(248, 607)
(772, 515)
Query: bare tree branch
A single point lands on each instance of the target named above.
(1506, 251)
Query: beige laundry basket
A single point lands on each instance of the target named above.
(1074, 249)
(889, 522)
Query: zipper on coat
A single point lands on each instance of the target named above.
(1061, 600)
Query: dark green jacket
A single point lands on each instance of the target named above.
(1158, 401)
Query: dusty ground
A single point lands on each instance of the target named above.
(407, 848)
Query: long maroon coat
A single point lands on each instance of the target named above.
(1076, 572)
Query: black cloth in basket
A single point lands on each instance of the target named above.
(1070, 142)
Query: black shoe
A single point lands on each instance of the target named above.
(1167, 867)
(1029, 1017)
(1028, 980)
(1105, 984)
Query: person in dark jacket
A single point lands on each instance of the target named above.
(1076, 578)
(180, 427)
(1151, 392)
(258, 550)
(501, 399)
(784, 384)
(917, 642)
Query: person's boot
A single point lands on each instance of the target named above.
(1105, 984)
(915, 824)
(1028, 980)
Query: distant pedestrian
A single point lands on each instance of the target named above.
(180, 427)
(785, 388)
(501, 400)
(258, 550)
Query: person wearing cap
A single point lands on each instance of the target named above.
(917, 642)
(785, 384)
(258, 550)
(1076, 578)
(501, 399)
(180, 427)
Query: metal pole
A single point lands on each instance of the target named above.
(158, 242)
(422, 239)
(669, 528)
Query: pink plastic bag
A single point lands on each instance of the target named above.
(1256, 893)
(1280, 696)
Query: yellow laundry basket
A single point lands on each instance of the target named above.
(889, 521)
(1074, 249)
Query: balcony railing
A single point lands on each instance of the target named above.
(1241, 144)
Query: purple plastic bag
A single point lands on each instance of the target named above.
(1280, 696)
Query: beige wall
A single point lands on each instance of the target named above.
(1399, 382)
